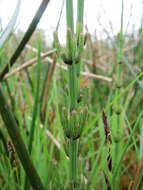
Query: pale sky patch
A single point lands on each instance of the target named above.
(107, 10)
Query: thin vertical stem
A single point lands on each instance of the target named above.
(36, 102)
(35, 110)
(79, 30)
(80, 11)
(73, 162)
(73, 97)
(72, 46)
(72, 87)
(121, 46)
(118, 104)
(71, 68)
(69, 14)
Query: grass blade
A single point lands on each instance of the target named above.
(8, 30)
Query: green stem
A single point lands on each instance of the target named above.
(79, 30)
(69, 14)
(80, 11)
(3, 139)
(72, 86)
(36, 101)
(73, 161)
(74, 71)
(73, 98)
(35, 109)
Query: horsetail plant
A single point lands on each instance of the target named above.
(79, 32)
(73, 116)
(117, 116)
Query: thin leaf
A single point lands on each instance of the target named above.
(9, 29)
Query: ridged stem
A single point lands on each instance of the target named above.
(72, 99)
(73, 80)
(72, 86)
(79, 30)
(80, 11)
(73, 162)
(69, 14)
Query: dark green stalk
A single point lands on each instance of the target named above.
(18, 143)
(36, 101)
(73, 58)
(73, 148)
(10, 95)
(35, 109)
(121, 49)
(3, 139)
(69, 14)
(26, 37)
(71, 68)
(72, 87)
(80, 11)
(73, 96)
(79, 30)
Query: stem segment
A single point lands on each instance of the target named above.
(73, 161)
(73, 98)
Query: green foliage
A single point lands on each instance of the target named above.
(72, 146)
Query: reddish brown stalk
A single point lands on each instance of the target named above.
(23, 110)
(107, 181)
(2, 180)
(106, 127)
(139, 171)
(50, 75)
(14, 161)
(108, 139)
(108, 143)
